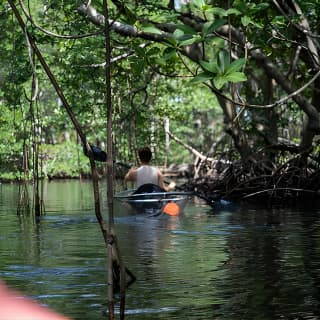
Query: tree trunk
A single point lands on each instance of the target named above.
(116, 265)
(233, 128)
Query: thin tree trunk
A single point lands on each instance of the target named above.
(35, 147)
(116, 264)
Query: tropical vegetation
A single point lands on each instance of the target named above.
(231, 80)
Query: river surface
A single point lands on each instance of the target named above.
(224, 263)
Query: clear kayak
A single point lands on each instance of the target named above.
(171, 203)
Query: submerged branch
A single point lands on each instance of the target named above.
(278, 189)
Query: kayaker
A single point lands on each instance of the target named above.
(147, 174)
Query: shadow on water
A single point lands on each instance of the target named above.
(273, 264)
(225, 262)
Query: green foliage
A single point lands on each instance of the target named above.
(64, 160)
(221, 71)
(151, 81)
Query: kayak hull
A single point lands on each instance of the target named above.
(155, 202)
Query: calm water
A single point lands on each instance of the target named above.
(228, 263)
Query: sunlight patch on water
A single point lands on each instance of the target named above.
(52, 296)
(151, 310)
(213, 232)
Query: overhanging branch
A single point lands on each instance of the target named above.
(123, 29)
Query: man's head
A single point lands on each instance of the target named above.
(145, 154)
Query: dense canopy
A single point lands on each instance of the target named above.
(229, 86)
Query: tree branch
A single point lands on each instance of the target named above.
(271, 69)
(274, 72)
(123, 29)
(192, 150)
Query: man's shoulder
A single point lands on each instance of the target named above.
(149, 169)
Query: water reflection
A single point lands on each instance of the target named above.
(226, 263)
(266, 273)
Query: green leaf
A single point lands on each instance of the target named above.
(235, 65)
(210, 66)
(154, 51)
(208, 27)
(268, 51)
(219, 81)
(138, 66)
(245, 20)
(190, 40)
(240, 5)
(198, 3)
(223, 58)
(186, 29)
(233, 11)
(236, 77)
(202, 77)
(184, 37)
(279, 20)
(151, 29)
(172, 41)
(178, 33)
(260, 7)
(207, 8)
(140, 51)
(168, 53)
(217, 11)
(217, 42)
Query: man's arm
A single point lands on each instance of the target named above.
(170, 187)
(131, 175)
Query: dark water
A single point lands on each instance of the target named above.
(231, 263)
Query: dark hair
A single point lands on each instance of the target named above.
(145, 154)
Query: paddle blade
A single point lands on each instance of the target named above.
(171, 209)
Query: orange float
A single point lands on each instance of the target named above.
(171, 209)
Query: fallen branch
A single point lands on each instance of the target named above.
(192, 150)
